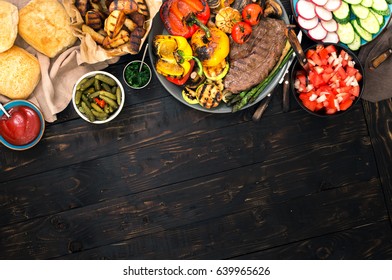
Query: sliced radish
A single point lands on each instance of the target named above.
(318, 33)
(323, 13)
(330, 25)
(332, 5)
(332, 37)
(307, 23)
(306, 9)
(320, 2)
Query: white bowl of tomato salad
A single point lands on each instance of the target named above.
(23, 128)
(334, 82)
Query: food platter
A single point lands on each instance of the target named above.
(175, 91)
(386, 20)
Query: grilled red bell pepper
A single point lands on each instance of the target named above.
(179, 16)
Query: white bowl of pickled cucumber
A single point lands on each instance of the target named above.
(98, 97)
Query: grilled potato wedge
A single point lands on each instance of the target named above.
(127, 6)
(121, 38)
(114, 23)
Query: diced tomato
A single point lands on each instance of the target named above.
(327, 77)
(331, 49)
(324, 54)
(355, 91)
(344, 105)
(328, 69)
(316, 59)
(311, 105)
(345, 89)
(329, 91)
(331, 111)
(331, 101)
(309, 53)
(302, 79)
(358, 76)
(342, 73)
(351, 71)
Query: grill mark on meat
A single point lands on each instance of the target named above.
(251, 62)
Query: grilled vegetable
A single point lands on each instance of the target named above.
(209, 94)
(120, 39)
(272, 9)
(210, 46)
(93, 19)
(190, 95)
(142, 8)
(97, 37)
(114, 23)
(226, 18)
(183, 18)
(173, 50)
(127, 6)
(217, 72)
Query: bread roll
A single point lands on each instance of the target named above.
(9, 25)
(45, 25)
(19, 73)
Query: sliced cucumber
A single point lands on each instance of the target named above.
(379, 18)
(342, 15)
(367, 3)
(346, 32)
(381, 7)
(356, 43)
(361, 32)
(370, 24)
(360, 11)
(352, 2)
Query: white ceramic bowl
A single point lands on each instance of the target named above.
(112, 115)
(15, 103)
(138, 63)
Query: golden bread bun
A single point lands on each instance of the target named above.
(45, 25)
(19, 73)
(9, 25)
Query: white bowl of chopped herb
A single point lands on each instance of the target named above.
(137, 77)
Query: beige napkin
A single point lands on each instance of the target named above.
(378, 82)
(58, 75)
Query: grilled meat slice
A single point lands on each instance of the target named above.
(251, 62)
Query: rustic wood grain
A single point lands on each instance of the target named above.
(371, 241)
(185, 156)
(379, 118)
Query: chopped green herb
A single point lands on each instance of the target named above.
(135, 78)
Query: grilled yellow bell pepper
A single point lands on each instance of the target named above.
(174, 53)
(211, 47)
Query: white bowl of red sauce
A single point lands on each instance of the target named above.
(25, 126)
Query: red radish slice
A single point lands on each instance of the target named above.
(332, 37)
(318, 33)
(320, 2)
(306, 9)
(307, 23)
(333, 5)
(330, 25)
(323, 13)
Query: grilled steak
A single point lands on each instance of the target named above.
(251, 62)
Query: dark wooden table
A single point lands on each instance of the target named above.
(164, 181)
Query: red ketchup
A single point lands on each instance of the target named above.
(22, 127)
